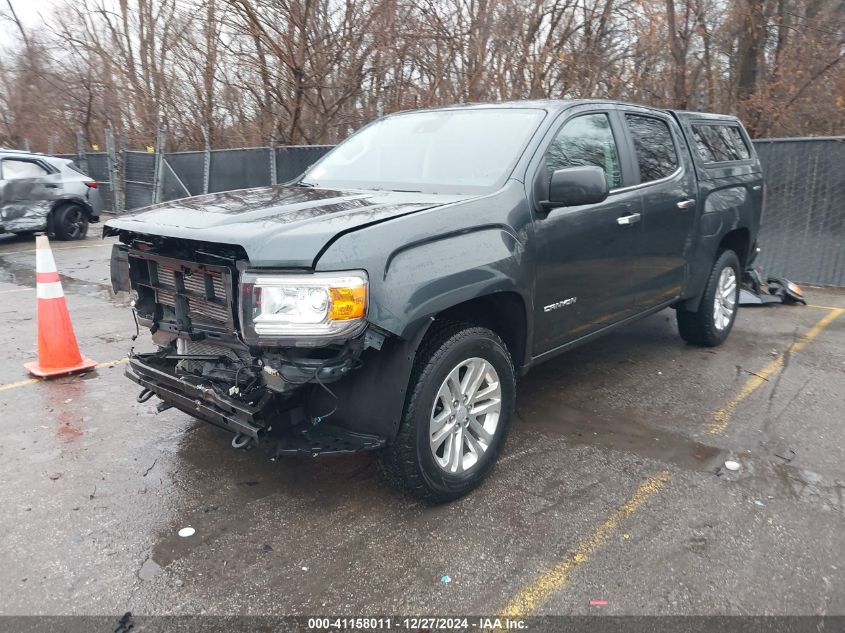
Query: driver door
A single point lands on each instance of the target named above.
(587, 255)
(27, 190)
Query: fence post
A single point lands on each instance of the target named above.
(273, 180)
(51, 149)
(206, 162)
(81, 154)
(114, 173)
(27, 146)
(158, 175)
(120, 157)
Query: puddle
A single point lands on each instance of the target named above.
(24, 275)
(770, 478)
(620, 433)
(785, 481)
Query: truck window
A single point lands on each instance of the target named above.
(18, 169)
(454, 151)
(719, 143)
(654, 147)
(586, 140)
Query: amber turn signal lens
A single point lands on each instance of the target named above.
(348, 303)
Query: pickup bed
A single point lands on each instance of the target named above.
(388, 299)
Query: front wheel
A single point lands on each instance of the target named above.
(459, 405)
(710, 325)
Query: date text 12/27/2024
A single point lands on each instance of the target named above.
(418, 623)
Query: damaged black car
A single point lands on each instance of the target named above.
(388, 299)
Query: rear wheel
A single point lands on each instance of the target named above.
(459, 405)
(710, 325)
(70, 222)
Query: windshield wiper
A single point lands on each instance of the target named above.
(302, 183)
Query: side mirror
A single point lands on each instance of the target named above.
(574, 186)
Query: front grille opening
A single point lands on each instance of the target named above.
(203, 293)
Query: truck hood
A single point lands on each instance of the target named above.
(276, 226)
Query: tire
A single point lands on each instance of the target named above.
(709, 326)
(70, 222)
(424, 468)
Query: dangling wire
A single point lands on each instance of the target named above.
(137, 329)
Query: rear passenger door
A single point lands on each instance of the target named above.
(668, 189)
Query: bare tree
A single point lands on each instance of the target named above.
(248, 72)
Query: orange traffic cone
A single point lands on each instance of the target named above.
(58, 352)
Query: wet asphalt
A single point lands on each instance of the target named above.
(96, 486)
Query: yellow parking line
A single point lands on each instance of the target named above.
(530, 598)
(32, 381)
(722, 417)
(21, 383)
(535, 594)
(64, 248)
(111, 363)
(812, 305)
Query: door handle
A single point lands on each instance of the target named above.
(686, 204)
(629, 219)
(51, 186)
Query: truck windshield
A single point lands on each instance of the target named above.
(442, 151)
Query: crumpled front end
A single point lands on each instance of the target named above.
(188, 295)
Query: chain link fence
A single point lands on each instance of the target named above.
(802, 236)
(132, 179)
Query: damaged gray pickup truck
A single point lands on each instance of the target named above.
(388, 298)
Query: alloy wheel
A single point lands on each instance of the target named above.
(724, 304)
(465, 415)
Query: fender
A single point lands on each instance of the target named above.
(430, 261)
(75, 200)
(419, 280)
(436, 259)
(371, 399)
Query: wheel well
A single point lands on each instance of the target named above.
(503, 312)
(738, 241)
(71, 202)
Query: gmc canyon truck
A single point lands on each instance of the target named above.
(388, 298)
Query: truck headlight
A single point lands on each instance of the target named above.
(302, 309)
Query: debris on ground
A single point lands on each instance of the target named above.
(785, 458)
(444, 579)
(266, 548)
(55, 476)
(598, 603)
(732, 465)
(147, 472)
(187, 531)
(149, 570)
